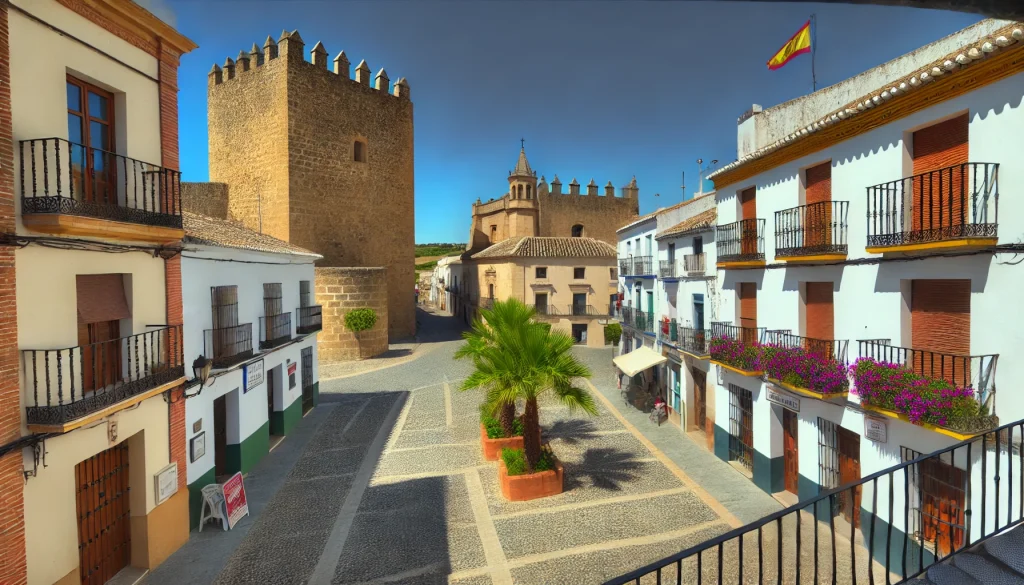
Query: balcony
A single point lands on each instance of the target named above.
(638, 266)
(667, 330)
(76, 190)
(643, 322)
(228, 346)
(575, 310)
(740, 244)
(310, 319)
(952, 394)
(486, 303)
(667, 269)
(955, 208)
(805, 365)
(737, 348)
(275, 330)
(545, 311)
(75, 386)
(693, 265)
(693, 341)
(812, 233)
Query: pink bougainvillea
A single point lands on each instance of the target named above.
(929, 400)
(804, 369)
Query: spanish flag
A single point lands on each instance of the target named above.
(799, 44)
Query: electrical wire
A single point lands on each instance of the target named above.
(77, 244)
(191, 257)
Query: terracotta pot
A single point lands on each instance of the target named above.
(493, 447)
(519, 488)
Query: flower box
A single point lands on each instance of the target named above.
(805, 372)
(754, 373)
(943, 430)
(807, 391)
(736, 356)
(519, 488)
(492, 447)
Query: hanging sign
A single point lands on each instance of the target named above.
(875, 429)
(252, 375)
(782, 399)
(234, 499)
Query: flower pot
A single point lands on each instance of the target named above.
(734, 369)
(519, 488)
(492, 447)
(959, 435)
(808, 391)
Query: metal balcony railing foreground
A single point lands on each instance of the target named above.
(310, 319)
(897, 523)
(693, 264)
(667, 269)
(957, 202)
(636, 266)
(812, 230)
(693, 341)
(228, 346)
(62, 177)
(275, 330)
(68, 384)
(741, 241)
(831, 349)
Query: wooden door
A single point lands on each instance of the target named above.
(270, 400)
(220, 436)
(940, 321)
(849, 471)
(818, 211)
(748, 311)
(790, 455)
(700, 400)
(819, 314)
(940, 179)
(101, 354)
(104, 515)
(942, 504)
(748, 223)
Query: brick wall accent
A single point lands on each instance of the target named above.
(210, 199)
(13, 568)
(338, 291)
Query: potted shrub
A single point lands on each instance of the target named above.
(494, 437)
(742, 358)
(514, 359)
(359, 320)
(804, 371)
(612, 333)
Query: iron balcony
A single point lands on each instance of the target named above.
(583, 311)
(738, 332)
(740, 243)
(275, 330)
(830, 349)
(309, 319)
(228, 346)
(667, 269)
(693, 341)
(693, 264)
(63, 385)
(953, 207)
(636, 266)
(816, 231)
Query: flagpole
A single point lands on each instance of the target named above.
(814, 47)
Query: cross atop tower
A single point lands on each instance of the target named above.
(522, 143)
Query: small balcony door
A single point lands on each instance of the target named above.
(540, 301)
(698, 246)
(101, 354)
(91, 123)
(698, 312)
(579, 303)
(225, 321)
(748, 229)
(671, 253)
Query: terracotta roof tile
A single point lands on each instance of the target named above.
(211, 231)
(702, 221)
(654, 214)
(532, 247)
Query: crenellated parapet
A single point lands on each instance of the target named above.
(629, 191)
(289, 48)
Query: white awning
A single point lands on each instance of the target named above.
(638, 360)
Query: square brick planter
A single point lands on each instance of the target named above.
(519, 488)
(492, 447)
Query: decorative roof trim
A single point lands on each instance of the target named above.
(986, 50)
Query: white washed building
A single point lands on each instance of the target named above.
(445, 285)
(248, 306)
(883, 216)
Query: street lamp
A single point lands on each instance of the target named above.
(201, 370)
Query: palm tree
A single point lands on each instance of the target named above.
(525, 361)
(502, 316)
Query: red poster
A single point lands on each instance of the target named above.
(234, 499)
(291, 368)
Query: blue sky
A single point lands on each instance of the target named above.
(598, 89)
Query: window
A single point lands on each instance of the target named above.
(698, 245)
(490, 291)
(359, 151)
(494, 234)
(272, 299)
(577, 231)
(225, 340)
(541, 272)
(936, 500)
(91, 129)
(741, 426)
(579, 272)
(611, 273)
(304, 295)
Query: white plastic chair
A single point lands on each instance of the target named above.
(213, 500)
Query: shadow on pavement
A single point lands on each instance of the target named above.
(432, 327)
(570, 431)
(607, 468)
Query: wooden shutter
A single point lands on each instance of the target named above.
(747, 292)
(818, 183)
(748, 203)
(225, 306)
(819, 313)
(101, 298)
(938, 198)
(940, 321)
(272, 299)
(818, 197)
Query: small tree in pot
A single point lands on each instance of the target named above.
(358, 320)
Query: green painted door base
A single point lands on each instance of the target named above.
(721, 443)
(768, 473)
(285, 420)
(195, 497)
(245, 455)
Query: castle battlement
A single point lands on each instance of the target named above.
(289, 49)
(628, 191)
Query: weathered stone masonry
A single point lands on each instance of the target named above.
(338, 291)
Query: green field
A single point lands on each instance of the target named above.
(440, 250)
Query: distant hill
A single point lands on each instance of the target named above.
(427, 255)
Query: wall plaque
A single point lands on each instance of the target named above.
(875, 429)
(783, 399)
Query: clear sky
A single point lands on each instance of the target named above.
(598, 89)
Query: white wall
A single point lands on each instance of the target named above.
(204, 267)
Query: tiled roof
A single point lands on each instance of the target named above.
(954, 64)
(531, 247)
(702, 221)
(211, 231)
(654, 214)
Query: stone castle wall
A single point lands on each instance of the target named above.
(600, 215)
(338, 291)
(209, 199)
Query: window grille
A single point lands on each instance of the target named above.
(741, 427)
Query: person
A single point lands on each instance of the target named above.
(659, 402)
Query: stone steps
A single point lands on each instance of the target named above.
(998, 561)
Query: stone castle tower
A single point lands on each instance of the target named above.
(320, 160)
(534, 208)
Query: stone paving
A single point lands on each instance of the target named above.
(385, 483)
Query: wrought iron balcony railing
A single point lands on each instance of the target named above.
(636, 266)
(667, 330)
(583, 311)
(667, 269)
(310, 319)
(693, 264)
(741, 241)
(693, 341)
(901, 521)
(63, 385)
(486, 303)
(957, 202)
(644, 321)
(625, 266)
(546, 310)
(830, 349)
(737, 332)
(812, 230)
(974, 371)
(627, 315)
(275, 330)
(62, 177)
(228, 346)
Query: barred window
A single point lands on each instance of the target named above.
(273, 303)
(304, 294)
